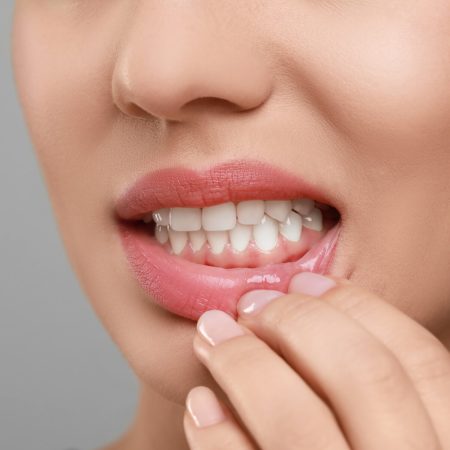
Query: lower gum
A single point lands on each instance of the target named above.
(284, 251)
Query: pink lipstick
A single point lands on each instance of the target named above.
(187, 288)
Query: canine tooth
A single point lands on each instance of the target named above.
(185, 219)
(219, 217)
(278, 209)
(314, 220)
(161, 234)
(266, 234)
(217, 240)
(291, 228)
(178, 240)
(303, 206)
(161, 216)
(240, 236)
(250, 212)
(197, 238)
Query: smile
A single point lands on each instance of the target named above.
(198, 240)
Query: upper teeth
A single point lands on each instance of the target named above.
(218, 224)
(219, 217)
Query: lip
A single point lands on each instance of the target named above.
(189, 289)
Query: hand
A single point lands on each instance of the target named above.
(330, 366)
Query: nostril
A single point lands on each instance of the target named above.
(133, 110)
(213, 104)
(123, 102)
(171, 79)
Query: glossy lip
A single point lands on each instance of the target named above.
(189, 289)
(233, 181)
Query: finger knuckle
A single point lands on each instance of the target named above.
(233, 357)
(318, 440)
(374, 368)
(429, 362)
(230, 442)
(427, 441)
(352, 300)
(286, 319)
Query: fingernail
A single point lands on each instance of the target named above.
(310, 283)
(203, 407)
(216, 326)
(252, 302)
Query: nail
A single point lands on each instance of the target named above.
(203, 407)
(252, 302)
(216, 326)
(310, 283)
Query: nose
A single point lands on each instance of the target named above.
(174, 61)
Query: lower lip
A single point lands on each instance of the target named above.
(188, 289)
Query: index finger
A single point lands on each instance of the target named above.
(423, 356)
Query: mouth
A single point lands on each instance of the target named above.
(198, 240)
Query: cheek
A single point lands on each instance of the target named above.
(385, 76)
(400, 85)
(63, 76)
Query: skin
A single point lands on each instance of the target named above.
(351, 94)
(360, 385)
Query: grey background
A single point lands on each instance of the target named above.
(63, 384)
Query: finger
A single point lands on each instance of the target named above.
(276, 406)
(367, 387)
(424, 358)
(209, 425)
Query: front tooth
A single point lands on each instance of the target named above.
(266, 234)
(185, 219)
(219, 217)
(240, 236)
(161, 216)
(197, 238)
(178, 240)
(217, 240)
(303, 206)
(278, 209)
(250, 212)
(161, 234)
(291, 228)
(314, 220)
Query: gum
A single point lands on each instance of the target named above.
(252, 256)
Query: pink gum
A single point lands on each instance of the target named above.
(252, 256)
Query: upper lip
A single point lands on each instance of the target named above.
(231, 181)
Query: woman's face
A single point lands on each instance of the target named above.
(351, 97)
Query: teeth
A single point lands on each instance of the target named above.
(161, 234)
(185, 219)
(303, 206)
(291, 228)
(198, 239)
(178, 240)
(217, 240)
(266, 234)
(161, 216)
(314, 220)
(278, 209)
(250, 212)
(262, 221)
(240, 236)
(220, 217)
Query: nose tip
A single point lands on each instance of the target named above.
(177, 73)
